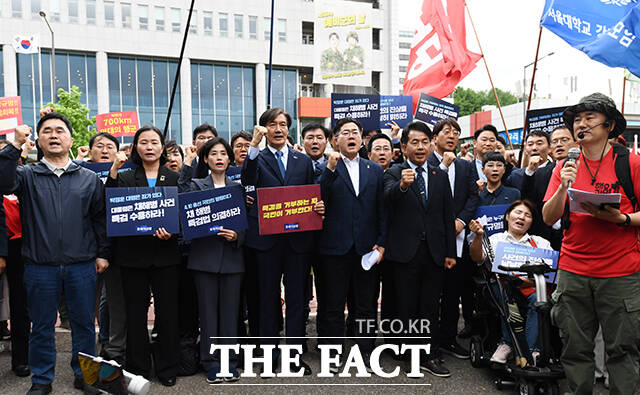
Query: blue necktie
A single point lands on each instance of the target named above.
(421, 185)
(280, 163)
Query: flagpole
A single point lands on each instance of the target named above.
(495, 94)
(40, 73)
(624, 86)
(270, 56)
(533, 78)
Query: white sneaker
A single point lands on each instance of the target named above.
(535, 355)
(501, 354)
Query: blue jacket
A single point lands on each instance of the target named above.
(63, 219)
(351, 220)
(263, 172)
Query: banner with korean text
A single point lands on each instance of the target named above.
(118, 124)
(140, 211)
(10, 114)
(288, 209)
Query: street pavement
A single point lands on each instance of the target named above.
(465, 378)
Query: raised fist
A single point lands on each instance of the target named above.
(258, 133)
(408, 177)
(333, 160)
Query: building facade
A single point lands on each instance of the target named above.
(123, 55)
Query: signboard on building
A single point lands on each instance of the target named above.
(343, 52)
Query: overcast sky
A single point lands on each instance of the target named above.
(508, 31)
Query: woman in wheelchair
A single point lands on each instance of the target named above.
(518, 219)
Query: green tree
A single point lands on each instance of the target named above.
(471, 101)
(69, 105)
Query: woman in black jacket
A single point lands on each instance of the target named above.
(149, 262)
(217, 263)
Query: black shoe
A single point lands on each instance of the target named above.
(78, 383)
(455, 349)
(435, 367)
(302, 365)
(167, 381)
(466, 332)
(22, 371)
(39, 389)
(5, 334)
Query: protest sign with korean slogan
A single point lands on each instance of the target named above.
(431, 109)
(205, 213)
(102, 168)
(288, 209)
(118, 124)
(544, 119)
(140, 211)
(10, 114)
(363, 108)
(342, 43)
(398, 109)
(513, 256)
(492, 217)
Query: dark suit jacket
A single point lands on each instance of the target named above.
(410, 222)
(350, 220)
(515, 178)
(213, 254)
(465, 196)
(534, 187)
(263, 172)
(144, 251)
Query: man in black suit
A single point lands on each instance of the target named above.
(282, 254)
(421, 238)
(354, 225)
(458, 283)
(314, 140)
(536, 179)
(537, 146)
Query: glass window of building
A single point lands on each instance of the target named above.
(16, 8)
(207, 22)
(125, 12)
(35, 9)
(238, 22)
(54, 8)
(307, 33)
(143, 17)
(144, 85)
(223, 22)
(224, 96)
(253, 27)
(159, 18)
(175, 20)
(284, 94)
(72, 9)
(193, 24)
(108, 13)
(91, 11)
(267, 29)
(72, 69)
(282, 29)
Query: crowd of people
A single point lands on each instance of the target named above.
(409, 199)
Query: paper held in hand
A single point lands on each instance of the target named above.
(370, 259)
(577, 197)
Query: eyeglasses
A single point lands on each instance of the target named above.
(563, 140)
(347, 133)
(450, 132)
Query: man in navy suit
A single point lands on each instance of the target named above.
(354, 225)
(282, 254)
(458, 282)
(421, 241)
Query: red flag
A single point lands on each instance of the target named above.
(439, 57)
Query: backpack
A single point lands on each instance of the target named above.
(623, 172)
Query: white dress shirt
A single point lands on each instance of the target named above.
(479, 170)
(253, 153)
(424, 175)
(451, 171)
(353, 168)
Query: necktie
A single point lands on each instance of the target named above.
(280, 163)
(421, 185)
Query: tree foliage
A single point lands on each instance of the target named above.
(69, 105)
(471, 101)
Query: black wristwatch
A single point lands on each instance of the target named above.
(626, 222)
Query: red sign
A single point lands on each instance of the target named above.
(118, 124)
(10, 114)
(288, 209)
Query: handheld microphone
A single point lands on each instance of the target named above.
(574, 154)
(606, 124)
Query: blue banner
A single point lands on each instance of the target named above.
(234, 172)
(495, 216)
(204, 213)
(515, 136)
(102, 168)
(431, 109)
(141, 210)
(364, 108)
(516, 255)
(606, 30)
(398, 109)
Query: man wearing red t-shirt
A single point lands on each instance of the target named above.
(598, 276)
